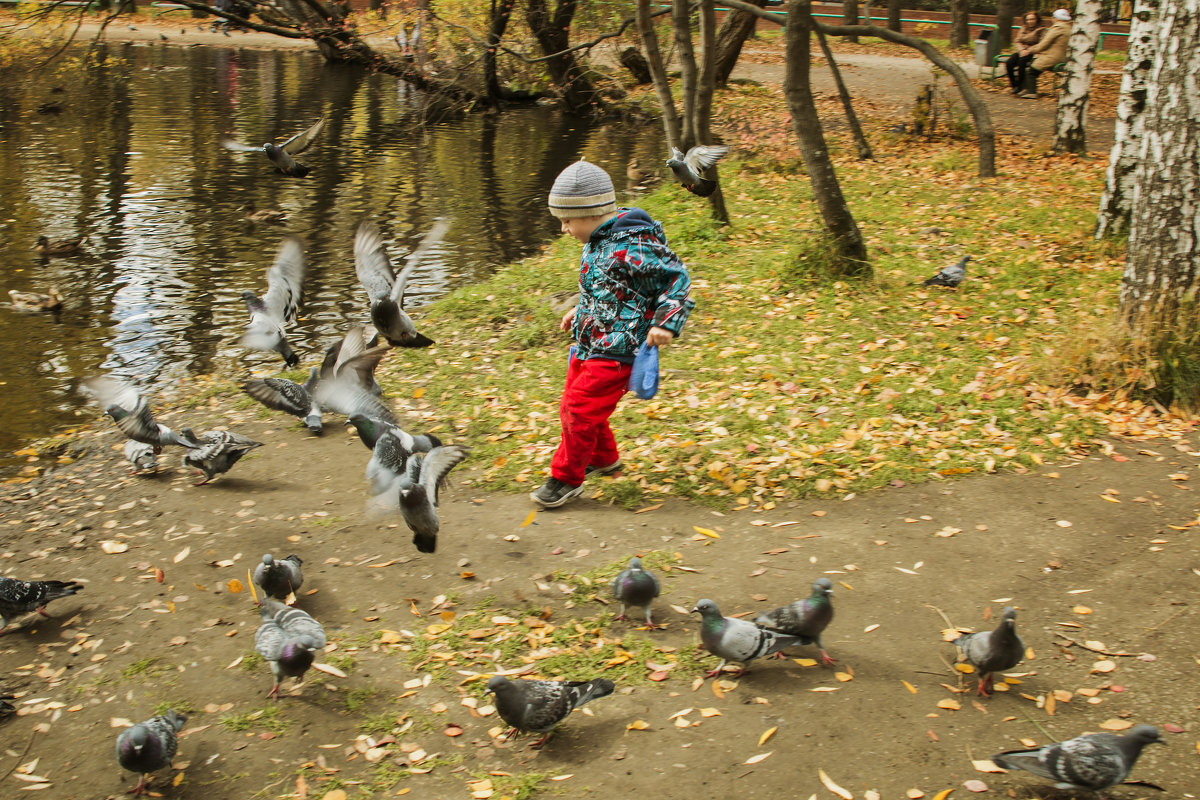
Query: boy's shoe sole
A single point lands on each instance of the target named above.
(609, 470)
(562, 500)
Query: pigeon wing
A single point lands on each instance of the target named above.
(428, 242)
(371, 262)
(238, 147)
(703, 156)
(437, 465)
(285, 281)
(279, 394)
(301, 141)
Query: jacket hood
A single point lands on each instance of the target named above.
(631, 221)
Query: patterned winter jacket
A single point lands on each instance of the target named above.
(629, 280)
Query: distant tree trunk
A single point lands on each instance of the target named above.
(860, 141)
(704, 95)
(1160, 288)
(1116, 201)
(849, 16)
(736, 28)
(960, 31)
(632, 60)
(681, 21)
(501, 13)
(851, 250)
(553, 34)
(1006, 10)
(894, 16)
(662, 88)
(1070, 122)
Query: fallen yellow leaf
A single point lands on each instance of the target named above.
(833, 787)
(529, 519)
(767, 734)
(637, 725)
(909, 686)
(707, 532)
(235, 586)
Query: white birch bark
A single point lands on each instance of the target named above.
(1158, 290)
(1115, 202)
(1070, 121)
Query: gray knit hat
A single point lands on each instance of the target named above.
(582, 190)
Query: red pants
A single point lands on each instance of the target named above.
(589, 398)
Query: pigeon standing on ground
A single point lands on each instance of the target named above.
(216, 452)
(278, 307)
(950, 276)
(993, 651)
(19, 597)
(538, 706)
(424, 475)
(289, 397)
(279, 578)
(149, 746)
(289, 640)
(385, 288)
(131, 413)
(806, 618)
(634, 586)
(1095, 761)
(282, 155)
(690, 168)
(733, 639)
(141, 456)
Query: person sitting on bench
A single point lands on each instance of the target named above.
(1030, 34)
(1051, 50)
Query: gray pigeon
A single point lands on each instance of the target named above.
(289, 397)
(424, 475)
(141, 456)
(282, 155)
(289, 640)
(132, 414)
(385, 288)
(807, 618)
(950, 276)
(354, 357)
(993, 651)
(149, 746)
(370, 428)
(635, 586)
(733, 639)
(1095, 761)
(279, 578)
(19, 597)
(278, 307)
(344, 395)
(689, 168)
(538, 706)
(216, 452)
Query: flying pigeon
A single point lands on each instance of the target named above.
(345, 395)
(993, 651)
(538, 706)
(371, 428)
(141, 456)
(385, 288)
(354, 357)
(950, 276)
(635, 586)
(281, 155)
(289, 639)
(1095, 761)
(149, 746)
(806, 618)
(290, 397)
(733, 639)
(20, 597)
(390, 451)
(689, 168)
(278, 307)
(216, 452)
(279, 578)
(132, 414)
(424, 475)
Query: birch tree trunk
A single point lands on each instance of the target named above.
(1070, 120)
(1115, 202)
(1159, 289)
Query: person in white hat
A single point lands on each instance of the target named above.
(632, 289)
(1051, 50)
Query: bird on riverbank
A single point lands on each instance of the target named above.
(950, 276)
(424, 475)
(216, 452)
(281, 394)
(636, 175)
(268, 216)
(807, 618)
(130, 411)
(1095, 761)
(634, 586)
(733, 639)
(279, 578)
(278, 307)
(385, 288)
(537, 706)
(993, 651)
(289, 640)
(57, 247)
(18, 597)
(36, 302)
(689, 168)
(282, 155)
(149, 746)
(141, 456)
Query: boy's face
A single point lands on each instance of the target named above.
(581, 228)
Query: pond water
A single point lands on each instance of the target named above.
(133, 164)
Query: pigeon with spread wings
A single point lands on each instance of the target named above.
(281, 155)
(386, 289)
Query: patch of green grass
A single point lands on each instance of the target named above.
(147, 667)
(266, 718)
(358, 697)
(518, 787)
(252, 662)
(342, 660)
(378, 723)
(180, 706)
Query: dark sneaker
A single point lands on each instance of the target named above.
(554, 493)
(609, 470)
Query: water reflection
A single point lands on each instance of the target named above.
(133, 163)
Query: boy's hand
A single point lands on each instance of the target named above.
(568, 319)
(657, 337)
